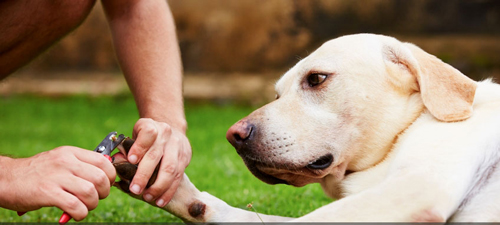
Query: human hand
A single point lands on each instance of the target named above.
(154, 142)
(70, 178)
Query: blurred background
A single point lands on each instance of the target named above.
(235, 50)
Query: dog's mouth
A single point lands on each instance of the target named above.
(254, 168)
(288, 173)
(321, 163)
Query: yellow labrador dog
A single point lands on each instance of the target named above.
(391, 131)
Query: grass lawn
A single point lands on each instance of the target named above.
(29, 125)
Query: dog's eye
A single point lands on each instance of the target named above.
(315, 79)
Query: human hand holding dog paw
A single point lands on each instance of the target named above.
(158, 143)
(69, 178)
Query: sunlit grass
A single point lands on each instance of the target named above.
(29, 125)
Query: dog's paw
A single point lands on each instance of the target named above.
(185, 204)
(126, 170)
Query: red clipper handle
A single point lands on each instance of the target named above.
(65, 217)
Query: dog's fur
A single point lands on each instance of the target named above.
(412, 138)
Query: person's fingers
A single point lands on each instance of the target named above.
(72, 205)
(97, 160)
(70, 178)
(183, 157)
(150, 160)
(144, 170)
(165, 198)
(168, 172)
(145, 134)
(183, 160)
(94, 175)
(68, 202)
(84, 190)
(95, 169)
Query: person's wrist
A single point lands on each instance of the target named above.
(4, 168)
(179, 125)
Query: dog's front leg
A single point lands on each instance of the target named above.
(190, 204)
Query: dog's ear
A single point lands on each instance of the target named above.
(446, 92)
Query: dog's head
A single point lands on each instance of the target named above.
(342, 107)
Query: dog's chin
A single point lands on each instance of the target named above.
(266, 178)
(296, 176)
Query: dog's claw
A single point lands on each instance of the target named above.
(127, 144)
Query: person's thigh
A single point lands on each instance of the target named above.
(29, 27)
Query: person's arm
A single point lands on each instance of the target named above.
(148, 52)
(69, 178)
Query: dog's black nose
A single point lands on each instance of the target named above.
(239, 133)
(322, 163)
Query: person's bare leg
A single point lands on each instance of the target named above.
(27, 28)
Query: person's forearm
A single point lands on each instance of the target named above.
(148, 52)
(4, 161)
(5, 202)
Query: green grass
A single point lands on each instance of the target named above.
(29, 125)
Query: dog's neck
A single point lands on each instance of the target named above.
(377, 140)
(358, 178)
(355, 182)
